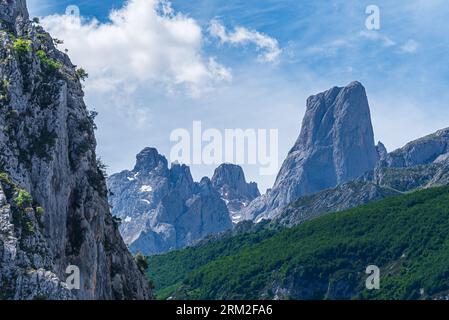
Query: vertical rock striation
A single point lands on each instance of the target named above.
(336, 145)
(54, 210)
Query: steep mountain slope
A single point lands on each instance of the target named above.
(163, 208)
(54, 211)
(336, 145)
(431, 148)
(406, 236)
(229, 180)
(375, 185)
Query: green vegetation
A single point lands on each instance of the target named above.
(22, 46)
(49, 64)
(23, 199)
(40, 211)
(7, 185)
(407, 236)
(22, 205)
(97, 178)
(171, 268)
(141, 262)
(81, 74)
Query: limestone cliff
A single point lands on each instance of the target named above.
(54, 210)
(336, 145)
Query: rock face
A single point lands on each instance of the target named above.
(162, 208)
(13, 13)
(229, 180)
(53, 201)
(336, 145)
(432, 148)
(421, 164)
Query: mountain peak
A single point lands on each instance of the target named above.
(381, 150)
(355, 84)
(334, 113)
(149, 159)
(336, 144)
(165, 209)
(229, 174)
(229, 180)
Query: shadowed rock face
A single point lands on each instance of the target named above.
(53, 200)
(163, 208)
(229, 180)
(13, 11)
(336, 145)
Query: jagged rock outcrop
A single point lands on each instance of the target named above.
(336, 145)
(434, 147)
(381, 151)
(57, 213)
(162, 208)
(229, 180)
(421, 164)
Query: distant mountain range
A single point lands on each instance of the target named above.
(163, 209)
(291, 243)
(333, 166)
(340, 204)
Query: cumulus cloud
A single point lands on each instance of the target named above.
(145, 42)
(269, 47)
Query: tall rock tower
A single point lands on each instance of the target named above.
(336, 144)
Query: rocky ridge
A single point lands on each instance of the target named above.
(421, 164)
(162, 208)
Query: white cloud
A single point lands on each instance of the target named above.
(410, 46)
(144, 43)
(377, 36)
(267, 45)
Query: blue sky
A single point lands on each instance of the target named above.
(404, 67)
